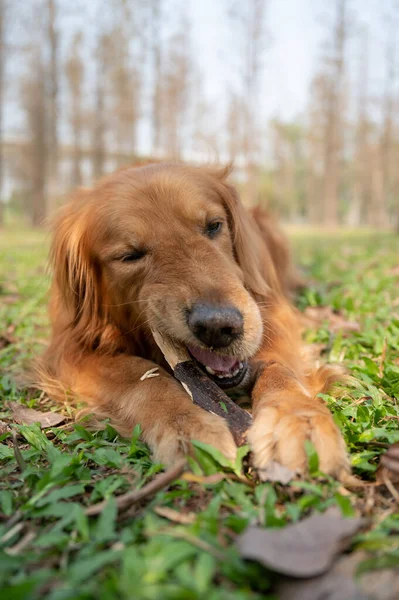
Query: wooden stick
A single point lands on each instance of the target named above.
(204, 392)
(208, 395)
(173, 353)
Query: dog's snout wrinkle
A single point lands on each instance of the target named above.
(216, 326)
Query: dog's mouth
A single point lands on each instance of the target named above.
(226, 371)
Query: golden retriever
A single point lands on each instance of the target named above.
(171, 247)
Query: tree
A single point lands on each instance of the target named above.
(53, 94)
(314, 143)
(288, 154)
(99, 120)
(234, 126)
(34, 103)
(176, 87)
(127, 56)
(334, 107)
(3, 17)
(125, 93)
(387, 142)
(74, 70)
(361, 158)
(156, 51)
(248, 20)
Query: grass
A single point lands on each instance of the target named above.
(178, 544)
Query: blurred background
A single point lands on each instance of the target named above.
(301, 94)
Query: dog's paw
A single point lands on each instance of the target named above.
(279, 434)
(198, 426)
(213, 430)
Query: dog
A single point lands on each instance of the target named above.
(171, 247)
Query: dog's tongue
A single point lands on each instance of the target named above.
(216, 362)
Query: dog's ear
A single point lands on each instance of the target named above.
(77, 275)
(251, 252)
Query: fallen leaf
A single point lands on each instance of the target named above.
(26, 416)
(8, 288)
(276, 472)
(4, 342)
(203, 479)
(7, 337)
(304, 549)
(4, 428)
(390, 460)
(340, 583)
(388, 470)
(314, 316)
(9, 299)
(175, 516)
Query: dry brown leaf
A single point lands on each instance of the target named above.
(203, 479)
(4, 341)
(4, 427)
(342, 583)
(175, 516)
(276, 472)
(390, 459)
(7, 337)
(9, 299)
(26, 416)
(389, 465)
(392, 473)
(304, 549)
(314, 316)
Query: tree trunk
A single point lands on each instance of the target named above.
(358, 208)
(99, 114)
(157, 74)
(2, 65)
(333, 131)
(75, 75)
(387, 137)
(53, 142)
(377, 190)
(34, 95)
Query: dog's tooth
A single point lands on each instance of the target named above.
(210, 370)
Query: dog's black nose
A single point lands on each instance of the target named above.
(215, 326)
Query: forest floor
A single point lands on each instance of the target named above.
(179, 543)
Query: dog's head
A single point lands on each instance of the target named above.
(165, 247)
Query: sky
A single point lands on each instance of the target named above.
(297, 30)
(289, 59)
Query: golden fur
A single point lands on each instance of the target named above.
(103, 308)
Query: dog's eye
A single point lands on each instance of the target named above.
(132, 256)
(213, 228)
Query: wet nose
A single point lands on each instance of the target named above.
(215, 326)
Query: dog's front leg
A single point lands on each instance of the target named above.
(285, 415)
(131, 390)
